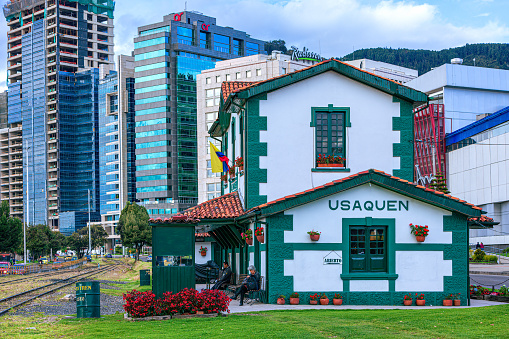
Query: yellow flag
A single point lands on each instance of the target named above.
(217, 165)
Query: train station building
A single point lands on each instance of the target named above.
(326, 150)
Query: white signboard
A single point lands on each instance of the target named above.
(332, 259)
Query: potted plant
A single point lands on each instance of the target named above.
(420, 232)
(457, 300)
(329, 161)
(337, 300)
(239, 162)
(313, 299)
(448, 300)
(419, 299)
(281, 300)
(203, 251)
(294, 298)
(232, 171)
(324, 300)
(248, 236)
(260, 235)
(407, 300)
(224, 178)
(314, 235)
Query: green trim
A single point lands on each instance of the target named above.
(351, 72)
(405, 148)
(331, 109)
(390, 256)
(330, 169)
(253, 174)
(372, 177)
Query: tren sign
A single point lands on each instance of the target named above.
(305, 54)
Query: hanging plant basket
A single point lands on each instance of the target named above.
(203, 253)
(314, 237)
(260, 238)
(420, 238)
(249, 241)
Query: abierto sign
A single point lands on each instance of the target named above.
(332, 259)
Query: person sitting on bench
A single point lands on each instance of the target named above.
(249, 284)
(224, 277)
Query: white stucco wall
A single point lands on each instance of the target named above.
(197, 254)
(417, 270)
(291, 141)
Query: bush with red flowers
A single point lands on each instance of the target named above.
(144, 304)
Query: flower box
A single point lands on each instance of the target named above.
(330, 165)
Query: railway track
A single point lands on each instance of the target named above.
(32, 277)
(13, 301)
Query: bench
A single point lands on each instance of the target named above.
(251, 295)
(234, 286)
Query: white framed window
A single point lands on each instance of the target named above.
(218, 78)
(258, 72)
(237, 75)
(210, 102)
(209, 93)
(228, 77)
(248, 74)
(208, 80)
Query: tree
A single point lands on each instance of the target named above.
(134, 228)
(276, 45)
(38, 240)
(98, 235)
(438, 183)
(57, 242)
(77, 242)
(11, 230)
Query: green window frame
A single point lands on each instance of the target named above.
(368, 249)
(353, 272)
(330, 130)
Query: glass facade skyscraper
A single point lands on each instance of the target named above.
(168, 56)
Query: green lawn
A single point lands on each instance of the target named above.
(487, 322)
(130, 278)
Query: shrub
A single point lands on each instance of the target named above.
(491, 258)
(506, 250)
(144, 304)
(478, 255)
(503, 290)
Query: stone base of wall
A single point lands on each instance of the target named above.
(176, 316)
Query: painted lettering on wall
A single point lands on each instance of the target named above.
(368, 205)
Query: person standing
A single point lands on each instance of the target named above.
(482, 246)
(477, 246)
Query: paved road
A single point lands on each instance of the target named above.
(489, 280)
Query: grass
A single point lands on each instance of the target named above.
(128, 279)
(487, 322)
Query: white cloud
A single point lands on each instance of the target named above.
(482, 15)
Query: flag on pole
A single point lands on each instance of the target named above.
(218, 159)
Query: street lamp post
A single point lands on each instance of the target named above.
(25, 224)
(89, 227)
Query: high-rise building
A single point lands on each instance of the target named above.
(246, 69)
(116, 144)
(168, 56)
(51, 44)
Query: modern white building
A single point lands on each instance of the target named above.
(383, 69)
(465, 91)
(478, 161)
(247, 69)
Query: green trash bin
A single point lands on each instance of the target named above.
(88, 299)
(144, 277)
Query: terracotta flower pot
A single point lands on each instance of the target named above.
(261, 238)
(337, 302)
(249, 241)
(314, 237)
(324, 301)
(200, 312)
(420, 302)
(241, 167)
(203, 253)
(457, 302)
(407, 302)
(313, 302)
(280, 301)
(447, 302)
(420, 238)
(294, 301)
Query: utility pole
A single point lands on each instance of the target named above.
(89, 227)
(25, 224)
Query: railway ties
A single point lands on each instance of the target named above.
(16, 300)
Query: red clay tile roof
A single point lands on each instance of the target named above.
(228, 87)
(229, 205)
(180, 219)
(356, 175)
(248, 85)
(483, 218)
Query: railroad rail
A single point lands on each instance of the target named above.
(37, 276)
(13, 301)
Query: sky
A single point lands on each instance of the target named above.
(332, 28)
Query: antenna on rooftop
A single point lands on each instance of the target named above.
(185, 6)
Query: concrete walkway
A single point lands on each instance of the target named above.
(257, 307)
(497, 269)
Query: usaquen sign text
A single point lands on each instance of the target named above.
(368, 205)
